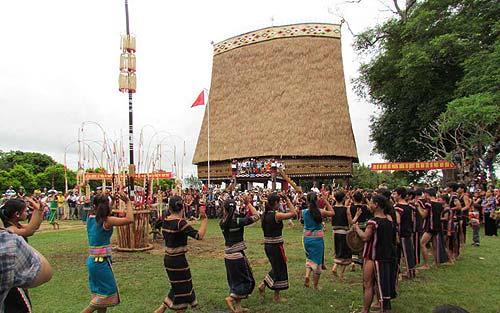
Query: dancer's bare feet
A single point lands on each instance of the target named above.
(307, 282)
(230, 304)
(161, 309)
(262, 291)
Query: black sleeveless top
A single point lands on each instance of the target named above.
(234, 232)
(380, 247)
(417, 220)
(339, 220)
(365, 216)
(273, 230)
(406, 223)
(175, 233)
(433, 219)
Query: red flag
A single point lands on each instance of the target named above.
(200, 100)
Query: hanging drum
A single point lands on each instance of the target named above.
(132, 82)
(131, 63)
(124, 62)
(123, 82)
(128, 43)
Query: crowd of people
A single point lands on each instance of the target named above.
(400, 229)
(71, 205)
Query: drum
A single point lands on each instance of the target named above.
(354, 241)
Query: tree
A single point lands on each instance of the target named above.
(34, 162)
(423, 61)
(25, 178)
(363, 177)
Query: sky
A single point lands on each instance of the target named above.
(59, 66)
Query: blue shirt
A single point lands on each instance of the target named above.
(19, 263)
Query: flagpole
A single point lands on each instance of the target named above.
(208, 140)
(182, 162)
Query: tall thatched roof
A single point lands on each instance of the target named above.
(278, 91)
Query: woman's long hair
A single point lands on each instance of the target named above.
(175, 204)
(383, 203)
(228, 214)
(272, 199)
(102, 208)
(312, 202)
(9, 208)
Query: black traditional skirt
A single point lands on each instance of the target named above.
(343, 254)
(408, 255)
(490, 225)
(439, 248)
(17, 301)
(181, 292)
(384, 281)
(239, 275)
(277, 278)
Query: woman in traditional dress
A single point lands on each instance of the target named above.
(53, 211)
(102, 283)
(313, 238)
(340, 223)
(12, 213)
(378, 256)
(272, 225)
(239, 274)
(176, 231)
(489, 206)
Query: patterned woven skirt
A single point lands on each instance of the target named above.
(314, 247)
(102, 283)
(239, 275)
(343, 254)
(181, 293)
(277, 278)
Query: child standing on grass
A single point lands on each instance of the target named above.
(475, 224)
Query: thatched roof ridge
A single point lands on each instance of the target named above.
(280, 97)
(277, 32)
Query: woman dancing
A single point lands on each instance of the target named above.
(378, 255)
(313, 238)
(12, 213)
(239, 274)
(102, 283)
(272, 225)
(176, 231)
(340, 223)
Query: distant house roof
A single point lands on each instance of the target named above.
(278, 91)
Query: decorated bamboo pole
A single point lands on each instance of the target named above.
(289, 180)
(135, 239)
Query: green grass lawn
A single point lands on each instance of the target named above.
(473, 283)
